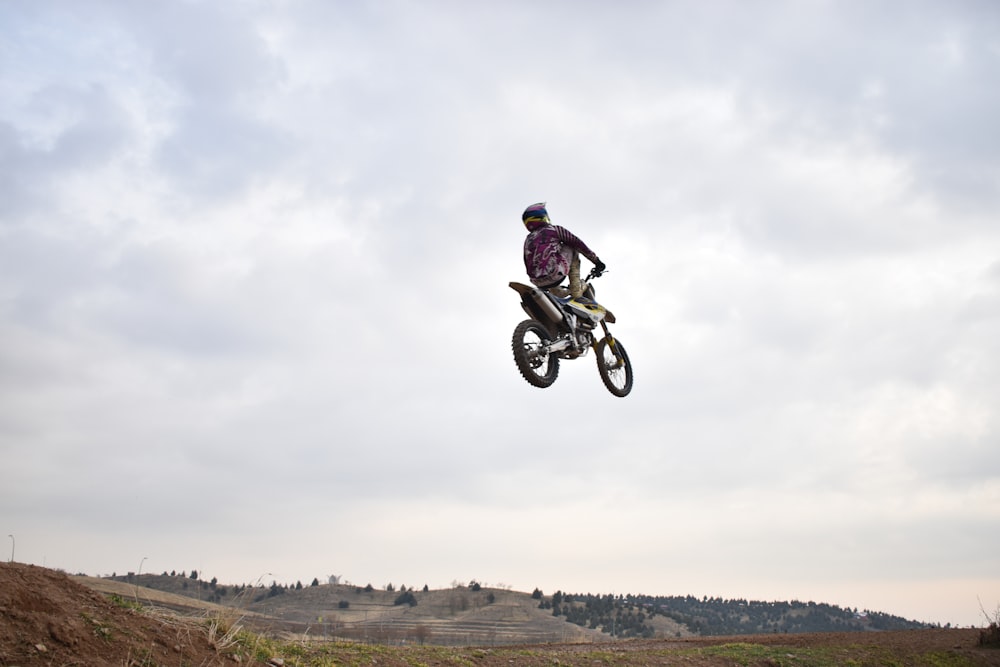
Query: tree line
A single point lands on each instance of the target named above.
(631, 615)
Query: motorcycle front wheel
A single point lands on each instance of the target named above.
(537, 367)
(614, 366)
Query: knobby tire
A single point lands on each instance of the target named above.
(538, 371)
(616, 375)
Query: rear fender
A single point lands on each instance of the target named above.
(520, 288)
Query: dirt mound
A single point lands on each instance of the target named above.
(48, 619)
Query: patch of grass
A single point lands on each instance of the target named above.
(757, 654)
(234, 642)
(852, 656)
(600, 657)
(228, 637)
(101, 630)
(142, 658)
(124, 603)
(944, 659)
(436, 655)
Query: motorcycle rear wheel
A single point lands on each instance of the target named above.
(539, 369)
(614, 366)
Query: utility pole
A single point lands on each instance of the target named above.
(137, 577)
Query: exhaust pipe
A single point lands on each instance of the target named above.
(545, 303)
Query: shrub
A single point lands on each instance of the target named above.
(406, 597)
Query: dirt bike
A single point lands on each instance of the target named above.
(562, 327)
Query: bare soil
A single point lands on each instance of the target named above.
(47, 618)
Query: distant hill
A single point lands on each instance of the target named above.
(462, 615)
(474, 614)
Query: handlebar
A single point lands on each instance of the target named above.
(594, 273)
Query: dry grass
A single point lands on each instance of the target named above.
(990, 635)
(146, 596)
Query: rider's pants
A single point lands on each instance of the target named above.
(576, 285)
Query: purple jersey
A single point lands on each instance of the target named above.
(548, 251)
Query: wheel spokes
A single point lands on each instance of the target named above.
(615, 367)
(533, 351)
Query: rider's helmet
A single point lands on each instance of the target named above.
(535, 216)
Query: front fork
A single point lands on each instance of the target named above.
(611, 344)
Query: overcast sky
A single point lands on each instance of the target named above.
(254, 314)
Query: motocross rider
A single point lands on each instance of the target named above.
(552, 252)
